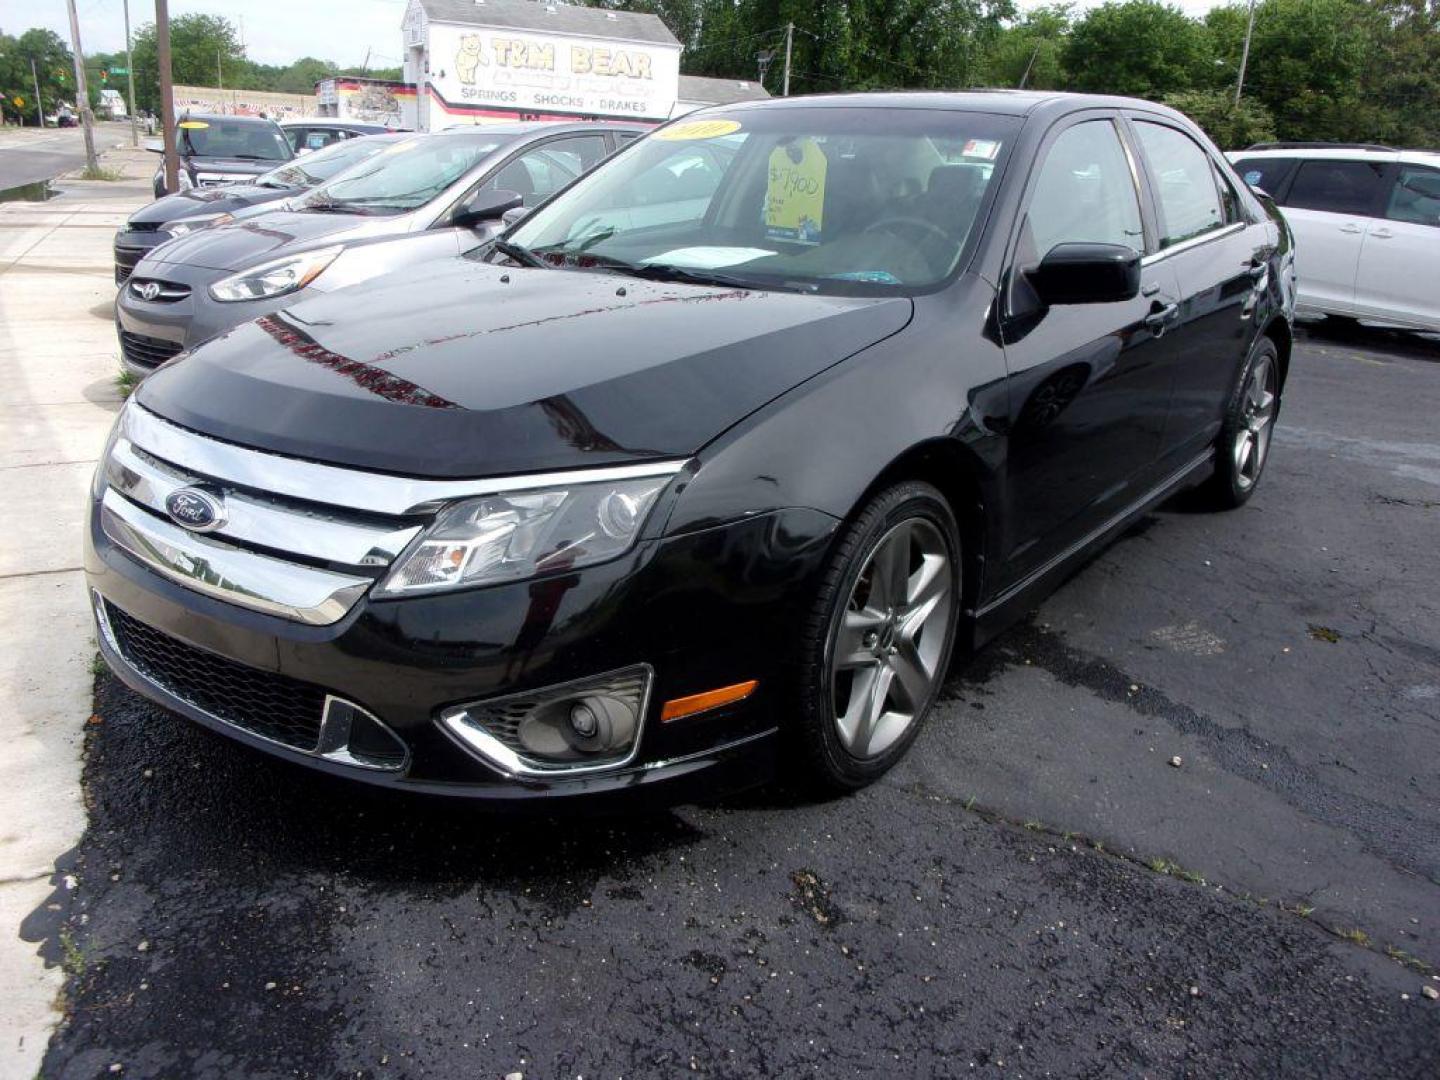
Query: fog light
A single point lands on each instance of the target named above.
(583, 722)
(576, 727)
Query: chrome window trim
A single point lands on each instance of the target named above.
(237, 576)
(149, 482)
(372, 492)
(1194, 242)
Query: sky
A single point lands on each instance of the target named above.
(279, 31)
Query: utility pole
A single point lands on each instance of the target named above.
(130, 75)
(39, 109)
(167, 94)
(1245, 54)
(789, 41)
(1026, 77)
(366, 65)
(219, 75)
(82, 92)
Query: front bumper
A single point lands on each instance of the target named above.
(132, 245)
(707, 609)
(152, 332)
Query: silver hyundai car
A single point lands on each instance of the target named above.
(424, 198)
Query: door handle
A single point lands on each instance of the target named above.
(1382, 234)
(1350, 228)
(1149, 290)
(1158, 320)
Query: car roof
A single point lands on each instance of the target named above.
(226, 118)
(1005, 102)
(331, 122)
(1341, 152)
(528, 127)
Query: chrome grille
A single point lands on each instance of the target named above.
(296, 539)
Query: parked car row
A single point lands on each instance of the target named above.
(705, 465)
(385, 202)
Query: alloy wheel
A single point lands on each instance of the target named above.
(1252, 441)
(888, 642)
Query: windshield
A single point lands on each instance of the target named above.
(406, 175)
(233, 139)
(822, 199)
(312, 169)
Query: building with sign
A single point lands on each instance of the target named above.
(478, 61)
(368, 101)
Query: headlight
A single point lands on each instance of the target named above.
(524, 533)
(181, 226)
(275, 278)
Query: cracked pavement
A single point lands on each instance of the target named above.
(989, 907)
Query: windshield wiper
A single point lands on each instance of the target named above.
(667, 272)
(518, 253)
(332, 206)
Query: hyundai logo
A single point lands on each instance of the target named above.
(149, 290)
(196, 510)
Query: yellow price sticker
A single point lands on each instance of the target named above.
(698, 129)
(194, 125)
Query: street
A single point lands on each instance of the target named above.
(1183, 820)
(33, 155)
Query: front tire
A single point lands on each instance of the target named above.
(878, 638)
(1244, 444)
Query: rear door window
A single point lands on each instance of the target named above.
(1337, 187)
(1415, 197)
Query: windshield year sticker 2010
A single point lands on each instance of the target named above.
(697, 129)
(795, 195)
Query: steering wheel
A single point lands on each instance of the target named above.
(898, 224)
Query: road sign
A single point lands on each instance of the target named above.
(119, 70)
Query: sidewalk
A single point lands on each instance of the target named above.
(58, 362)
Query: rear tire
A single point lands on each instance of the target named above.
(1244, 444)
(877, 640)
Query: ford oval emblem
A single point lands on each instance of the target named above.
(196, 510)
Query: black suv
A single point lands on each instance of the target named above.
(709, 462)
(216, 150)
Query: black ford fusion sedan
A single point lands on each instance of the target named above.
(709, 463)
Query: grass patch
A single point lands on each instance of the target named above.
(72, 957)
(1170, 868)
(1358, 936)
(101, 173)
(98, 665)
(126, 381)
(1034, 826)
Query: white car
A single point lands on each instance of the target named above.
(1367, 227)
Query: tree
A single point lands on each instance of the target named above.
(1233, 127)
(1142, 48)
(1032, 49)
(54, 65)
(201, 47)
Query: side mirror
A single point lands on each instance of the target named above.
(1087, 274)
(485, 206)
(514, 214)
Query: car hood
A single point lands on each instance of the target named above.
(462, 369)
(197, 201)
(245, 243)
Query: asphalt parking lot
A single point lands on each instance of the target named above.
(1037, 890)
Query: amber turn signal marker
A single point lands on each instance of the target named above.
(678, 707)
